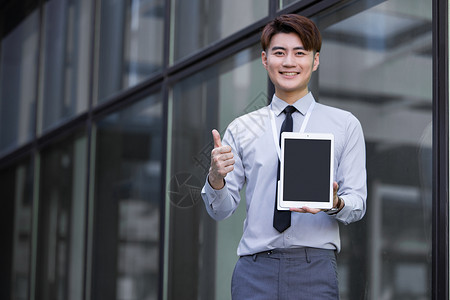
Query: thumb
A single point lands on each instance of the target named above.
(216, 138)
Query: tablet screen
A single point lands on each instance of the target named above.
(307, 166)
(306, 170)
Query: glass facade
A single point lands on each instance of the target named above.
(200, 23)
(18, 80)
(130, 44)
(16, 184)
(127, 202)
(62, 219)
(106, 112)
(377, 63)
(285, 3)
(66, 61)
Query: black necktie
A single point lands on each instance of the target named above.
(282, 218)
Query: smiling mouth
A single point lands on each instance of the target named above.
(289, 73)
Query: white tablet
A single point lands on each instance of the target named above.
(306, 170)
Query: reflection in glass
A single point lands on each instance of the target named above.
(209, 99)
(131, 44)
(16, 185)
(284, 3)
(66, 60)
(62, 216)
(18, 72)
(199, 23)
(127, 203)
(377, 63)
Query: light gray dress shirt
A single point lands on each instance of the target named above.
(250, 137)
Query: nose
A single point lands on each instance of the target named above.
(288, 60)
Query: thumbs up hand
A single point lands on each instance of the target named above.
(222, 162)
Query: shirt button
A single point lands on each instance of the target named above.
(288, 236)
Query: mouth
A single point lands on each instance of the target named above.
(289, 73)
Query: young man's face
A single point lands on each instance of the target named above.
(289, 66)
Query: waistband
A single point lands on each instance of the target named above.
(304, 252)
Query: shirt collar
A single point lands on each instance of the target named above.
(301, 104)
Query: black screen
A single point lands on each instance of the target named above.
(306, 170)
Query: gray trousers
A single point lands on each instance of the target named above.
(286, 274)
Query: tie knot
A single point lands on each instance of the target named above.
(289, 109)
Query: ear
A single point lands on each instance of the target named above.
(264, 59)
(316, 61)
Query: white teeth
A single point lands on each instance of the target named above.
(290, 73)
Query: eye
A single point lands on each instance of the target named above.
(278, 53)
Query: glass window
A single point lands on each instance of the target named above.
(202, 252)
(66, 64)
(18, 73)
(285, 3)
(131, 44)
(127, 202)
(377, 63)
(199, 23)
(62, 217)
(16, 184)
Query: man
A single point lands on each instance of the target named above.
(296, 260)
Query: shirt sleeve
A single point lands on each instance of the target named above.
(220, 204)
(351, 174)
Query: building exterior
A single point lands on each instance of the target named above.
(106, 111)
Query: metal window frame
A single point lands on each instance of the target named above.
(440, 218)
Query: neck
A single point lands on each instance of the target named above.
(291, 98)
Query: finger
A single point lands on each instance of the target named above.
(219, 156)
(310, 210)
(219, 164)
(335, 189)
(228, 162)
(221, 151)
(222, 167)
(297, 209)
(216, 138)
(225, 170)
(222, 154)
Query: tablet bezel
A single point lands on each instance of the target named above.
(286, 205)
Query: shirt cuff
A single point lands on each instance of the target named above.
(215, 197)
(344, 214)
